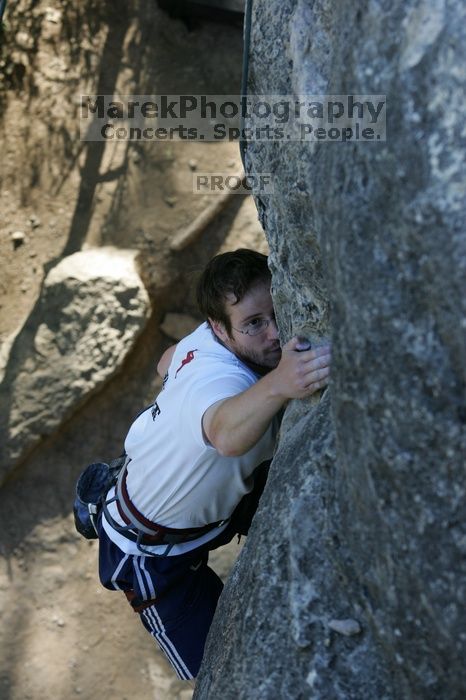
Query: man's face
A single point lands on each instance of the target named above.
(262, 349)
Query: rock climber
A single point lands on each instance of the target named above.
(196, 460)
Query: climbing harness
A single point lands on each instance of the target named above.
(143, 531)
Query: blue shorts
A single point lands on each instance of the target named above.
(175, 596)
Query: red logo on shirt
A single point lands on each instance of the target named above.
(187, 360)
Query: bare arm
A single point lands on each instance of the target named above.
(164, 362)
(234, 425)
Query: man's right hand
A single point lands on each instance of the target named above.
(234, 425)
(300, 373)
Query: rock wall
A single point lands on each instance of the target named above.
(352, 582)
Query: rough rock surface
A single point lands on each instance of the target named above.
(363, 518)
(177, 326)
(92, 308)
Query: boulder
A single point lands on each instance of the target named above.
(352, 584)
(92, 308)
(176, 326)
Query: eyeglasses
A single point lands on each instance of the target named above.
(256, 326)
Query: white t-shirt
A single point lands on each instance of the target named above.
(175, 478)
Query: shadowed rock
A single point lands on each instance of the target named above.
(93, 307)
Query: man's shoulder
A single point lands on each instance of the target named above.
(200, 352)
(203, 342)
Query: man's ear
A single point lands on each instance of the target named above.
(219, 329)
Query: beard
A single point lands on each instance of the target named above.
(260, 362)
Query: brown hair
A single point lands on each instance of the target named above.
(229, 273)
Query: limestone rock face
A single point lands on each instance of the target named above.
(352, 584)
(92, 308)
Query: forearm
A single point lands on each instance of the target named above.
(234, 425)
(239, 422)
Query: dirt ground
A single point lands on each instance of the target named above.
(61, 634)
